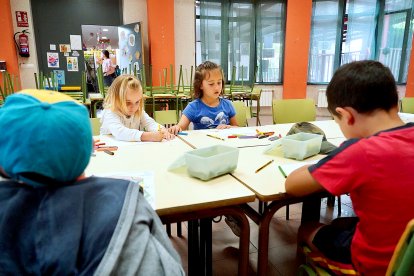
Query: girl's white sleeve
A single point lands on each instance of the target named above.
(149, 123)
(112, 124)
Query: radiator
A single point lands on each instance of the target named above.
(322, 101)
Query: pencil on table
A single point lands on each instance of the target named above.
(264, 166)
(216, 137)
(108, 152)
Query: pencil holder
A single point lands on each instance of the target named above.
(209, 162)
(301, 145)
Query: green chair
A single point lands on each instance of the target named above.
(166, 118)
(96, 126)
(401, 264)
(9, 85)
(402, 261)
(293, 111)
(407, 105)
(241, 113)
(255, 96)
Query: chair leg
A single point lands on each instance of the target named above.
(168, 226)
(287, 212)
(179, 232)
(339, 206)
(331, 201)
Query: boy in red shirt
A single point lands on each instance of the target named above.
(374, 166)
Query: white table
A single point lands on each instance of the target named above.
(179, 197)
(268, 184)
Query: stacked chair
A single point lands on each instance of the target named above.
(9, 86)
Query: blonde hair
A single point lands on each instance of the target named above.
(116, 98)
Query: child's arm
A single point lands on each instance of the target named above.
(182, 125)
(155, 136)
(233, 123)
(300, 183)
(112, 124)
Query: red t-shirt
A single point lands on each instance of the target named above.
(377, 172)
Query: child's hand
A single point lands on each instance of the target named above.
(155, 136)
(167, 135)
(174, 129)
(223, 126)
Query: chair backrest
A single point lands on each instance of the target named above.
(293, 111)
(407, 105)
(77, 95)
(166, 118)
(96, 126)
(241, 113)
(402, 261)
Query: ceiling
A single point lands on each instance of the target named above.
(91, 33)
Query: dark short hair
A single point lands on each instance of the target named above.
(106, 53)
(363, 85)
(202, 72)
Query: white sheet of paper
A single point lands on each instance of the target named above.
(75, 42)
(289, 168)
(145, 179)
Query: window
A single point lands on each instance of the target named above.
(396, 37)
(227, 34)
(350, 30)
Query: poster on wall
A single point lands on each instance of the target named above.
(130, 44)
(52, 60)
(64, 48)
(21, 19)
(76, 42)
(72, 63)
(59, 76)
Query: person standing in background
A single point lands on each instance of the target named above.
(108, 69)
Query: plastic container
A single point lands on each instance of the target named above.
(209, 162)
(301, 145)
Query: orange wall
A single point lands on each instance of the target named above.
(161, 37)
(409, 88)
(7, 48)
(297, 41)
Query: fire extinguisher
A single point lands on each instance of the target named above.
(22, 43)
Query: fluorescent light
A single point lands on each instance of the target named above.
(105, 30)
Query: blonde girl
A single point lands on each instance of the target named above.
(124, 116)
(209, 109)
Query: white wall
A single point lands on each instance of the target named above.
(184, 30)
(27, 66)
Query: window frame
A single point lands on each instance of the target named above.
(224, 48)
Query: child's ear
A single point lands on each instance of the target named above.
(347, 114)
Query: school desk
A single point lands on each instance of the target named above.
(179, 197)
(268, 184)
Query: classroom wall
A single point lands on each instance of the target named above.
(297, 42)
(410, 78)
(183, 42)
(7, 47)
(161, 38)
(27, 65)
(184, 39)
(136, 11)
(55, 21)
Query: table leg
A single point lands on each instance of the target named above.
(193, 248)
(194, 242)
(310, 210)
